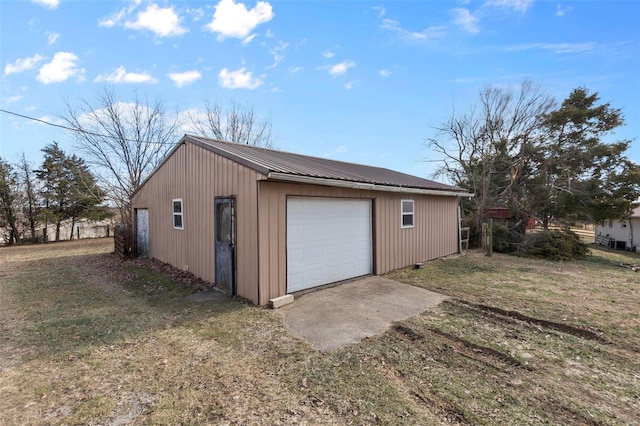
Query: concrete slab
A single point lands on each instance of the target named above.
(334, 317)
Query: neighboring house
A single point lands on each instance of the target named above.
(261, 223)
(82, 228)
(620, 234)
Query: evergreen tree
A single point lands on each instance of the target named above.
(69, 189)
(8, 196)
(573, 174)
(86, 196)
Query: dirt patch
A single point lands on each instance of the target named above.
(569, 415)
(564, 328)
(478, 349)
(407, 333)
(447, 413)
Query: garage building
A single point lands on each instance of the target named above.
(261, 223)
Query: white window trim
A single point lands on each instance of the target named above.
(174, 214)
(403, 214)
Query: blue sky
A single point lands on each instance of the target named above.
(356, 81)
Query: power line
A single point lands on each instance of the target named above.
(78, 130)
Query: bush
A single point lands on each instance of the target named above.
(554, 245)
(504, 238)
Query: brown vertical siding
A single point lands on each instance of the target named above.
(434, 235)
(198, 176)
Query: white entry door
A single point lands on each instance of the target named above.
(328, 240)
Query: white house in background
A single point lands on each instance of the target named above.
(620, 234)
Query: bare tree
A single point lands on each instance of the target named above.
(123, 142)
(235, 123)
(486, 149)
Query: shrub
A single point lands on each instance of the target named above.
(504, 238)
(554, 245)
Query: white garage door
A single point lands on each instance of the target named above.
(328, 240)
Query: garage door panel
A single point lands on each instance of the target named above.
(328, 240)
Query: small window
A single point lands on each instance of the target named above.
(178, 221)
(407, 213)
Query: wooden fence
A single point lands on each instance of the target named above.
(123, 241)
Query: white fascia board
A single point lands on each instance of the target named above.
(360, 185)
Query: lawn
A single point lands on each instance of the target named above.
(86, 338)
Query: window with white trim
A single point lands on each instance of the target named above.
(178, 220)
(407, 213)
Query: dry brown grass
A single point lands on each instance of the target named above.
(88, 339)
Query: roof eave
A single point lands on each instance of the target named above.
(285, 177)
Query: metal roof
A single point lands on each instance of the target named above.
(270, 162)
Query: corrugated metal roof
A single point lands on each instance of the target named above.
(268, 161)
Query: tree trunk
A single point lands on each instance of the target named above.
(73, 225)
(13, 235)
(58, 230)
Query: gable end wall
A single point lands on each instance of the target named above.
(197, 176)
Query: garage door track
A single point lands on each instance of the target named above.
(334, 317)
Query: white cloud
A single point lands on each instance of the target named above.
(127, 111)
(414, 36)
(278, 54)
(340, 68)
(52, 37)
(517, 5)
(164, 22)
(293, 70)
(48, 119)
(12, 99)
(239, 79)
(385, 73)
(557, 48)
(463, 19)
(337, 150)
(248, 39)
(348, 85)
(120, 75)
(196, 14)
(62, 67)
(117, 17)
(182, 79)
(49, 4)
(562, 10)
(328, 54)
(23, 64)
(381, 10)
(232, 19)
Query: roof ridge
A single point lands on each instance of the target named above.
(278, 151)
(270, 161)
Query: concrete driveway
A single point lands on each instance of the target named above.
(334, 317)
